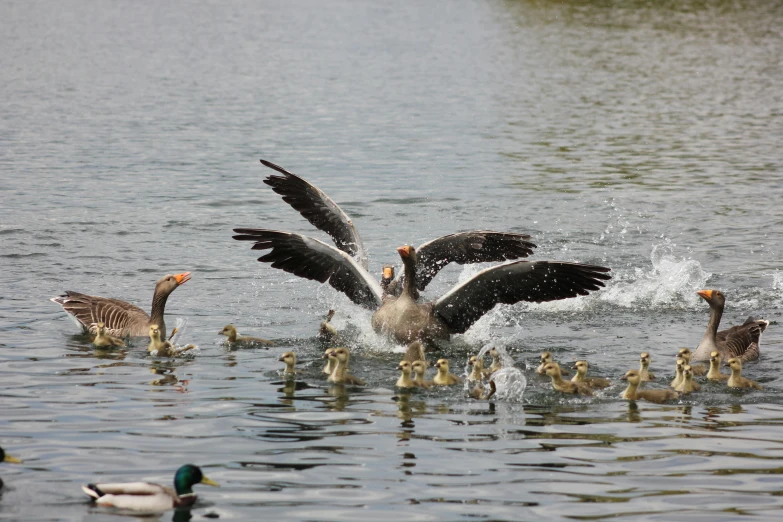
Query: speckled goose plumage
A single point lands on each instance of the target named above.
(740, 341)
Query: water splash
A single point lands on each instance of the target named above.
(510, 382)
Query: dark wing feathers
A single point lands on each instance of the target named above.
(477, 246)
(319, 209)
(743, 340)
(514, 282)
(89, 310)
(315, 260)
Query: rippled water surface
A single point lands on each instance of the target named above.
(644, 136)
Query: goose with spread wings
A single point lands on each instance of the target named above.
(402, 318)
(476, 246)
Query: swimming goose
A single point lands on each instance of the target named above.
(5, 457)
(146, 496)
(405, 380)
(740, 341)
(714, 373)
(737, 380)
(419, 370)
(633, 393)
(581, 368)
(553, 371)
(680, 362)
(327, 333)
(164, 348)
(546, 358)
(402, 318)
(687, 385)
(444, 377)
(476, 369)
(497, 364)
(121, 319)
(644, 368)
(331, 362)
(289, 358)
(340, 374)
(479, 246)
(103, 339)
(230, 332)
(698, 369)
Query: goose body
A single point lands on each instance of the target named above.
(581, 368)
(553, 371)
(232, 336)
(714, 373)
(740, 341)
(444, 377)
(736, 380)
(121, 318)
(633, 393)
(104, 340)
(644, 367)
(147, 496)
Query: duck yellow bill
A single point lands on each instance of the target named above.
(209, 482)
(182, 278)
(14, 460)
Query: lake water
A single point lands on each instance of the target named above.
(643, 137)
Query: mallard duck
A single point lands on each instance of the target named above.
(289, 358)
(231, 332)
(740, 341)
(327, 333)
(553, 371)
(714, 373)
(633, 393)
(497, 363)
(737, 380)
(444, 377)
(146, 496)
(581, 368)
(340, 374)
(697, 369)
(644, 372)
(419, 370)
(103, 339)
(5, 457)
(479, 392)
(405, 380)
(547, 358)
(687, 385)
(415, 352)
(677, 373)
(476, 369)
(164, 348)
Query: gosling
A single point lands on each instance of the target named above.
(497, 364)
(419, 370)
(697, 369)
(553, 370)
(687, 385)
(644, 368)
(737, 380)
(164, 348)
(405, 380)
(231, 332)
(477, 369)
(581, 368)
(547, 358)
(714, 373)
(633, 393)
(103, 339)
(677, 373)
(444, 377)
(289, 358)
(480, 393)
(340, 374)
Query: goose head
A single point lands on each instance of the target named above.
(476, 362)
(632, 376)
(405, 367)
(289, 358)
(644, 358)
(735, 364)
(228, 330)
(581, 367)
(155, 332)
(101, 329)
(342, 355)
(169, 282)
(715, 358)
(714, 298)
(419, 368)
(443, 366)
(552, 369)
(685, 353)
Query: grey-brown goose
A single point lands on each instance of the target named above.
(121, 318)
(478, 246)
(402, 318)
(740, 341)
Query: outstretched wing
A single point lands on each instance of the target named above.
(319, 209)
(313, 259)
(89, 310)
(477, 246)
(536, 282)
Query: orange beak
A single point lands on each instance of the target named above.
(706, 294)
(388, 271)
(404, 251)
(182, 278)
